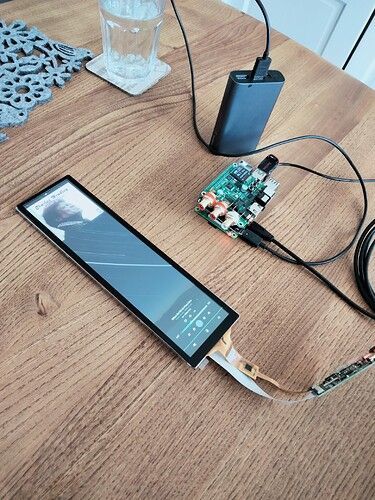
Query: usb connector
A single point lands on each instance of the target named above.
(261, 67)
(255, 235)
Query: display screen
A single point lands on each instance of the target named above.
(178, 308)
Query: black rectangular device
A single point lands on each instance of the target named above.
(188, 317)
(246, 106)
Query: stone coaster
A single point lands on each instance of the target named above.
(30, 64)
(133, 86)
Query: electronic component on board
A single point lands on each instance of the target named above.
(220, 209)
(241, 173)
(208, 200)
(269, 164)
(343, 375)
(271, 187)
(255, 209)
(232, 218)
(238, 195)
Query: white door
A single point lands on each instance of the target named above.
(330, 28)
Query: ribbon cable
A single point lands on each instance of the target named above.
(246, 373)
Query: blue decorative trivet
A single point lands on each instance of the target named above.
(30, 64)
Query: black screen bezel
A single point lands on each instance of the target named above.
(215, 336)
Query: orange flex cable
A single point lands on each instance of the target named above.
(226, 349)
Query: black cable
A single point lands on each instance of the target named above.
(279, 255)
(362, 257)
(266, 20)
(364, 248)
(358, 175)
(328, 283)
(321, 174)
(192, 77)
(256, 236)
(325, 176)
(266, 52)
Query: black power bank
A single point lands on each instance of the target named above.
(244, 112)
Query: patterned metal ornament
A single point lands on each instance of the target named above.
(30, 64)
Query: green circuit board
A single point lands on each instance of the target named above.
(345, 374)
(236, 197)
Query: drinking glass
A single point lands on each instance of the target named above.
(130, 34)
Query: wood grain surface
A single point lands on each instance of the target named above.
(92, 405)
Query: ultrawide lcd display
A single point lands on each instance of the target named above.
(178, 307)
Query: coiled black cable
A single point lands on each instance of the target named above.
(362, 258)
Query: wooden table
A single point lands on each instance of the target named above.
(92, 405)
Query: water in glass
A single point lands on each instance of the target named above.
(130, 32)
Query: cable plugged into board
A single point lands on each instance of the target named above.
(234, 199)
